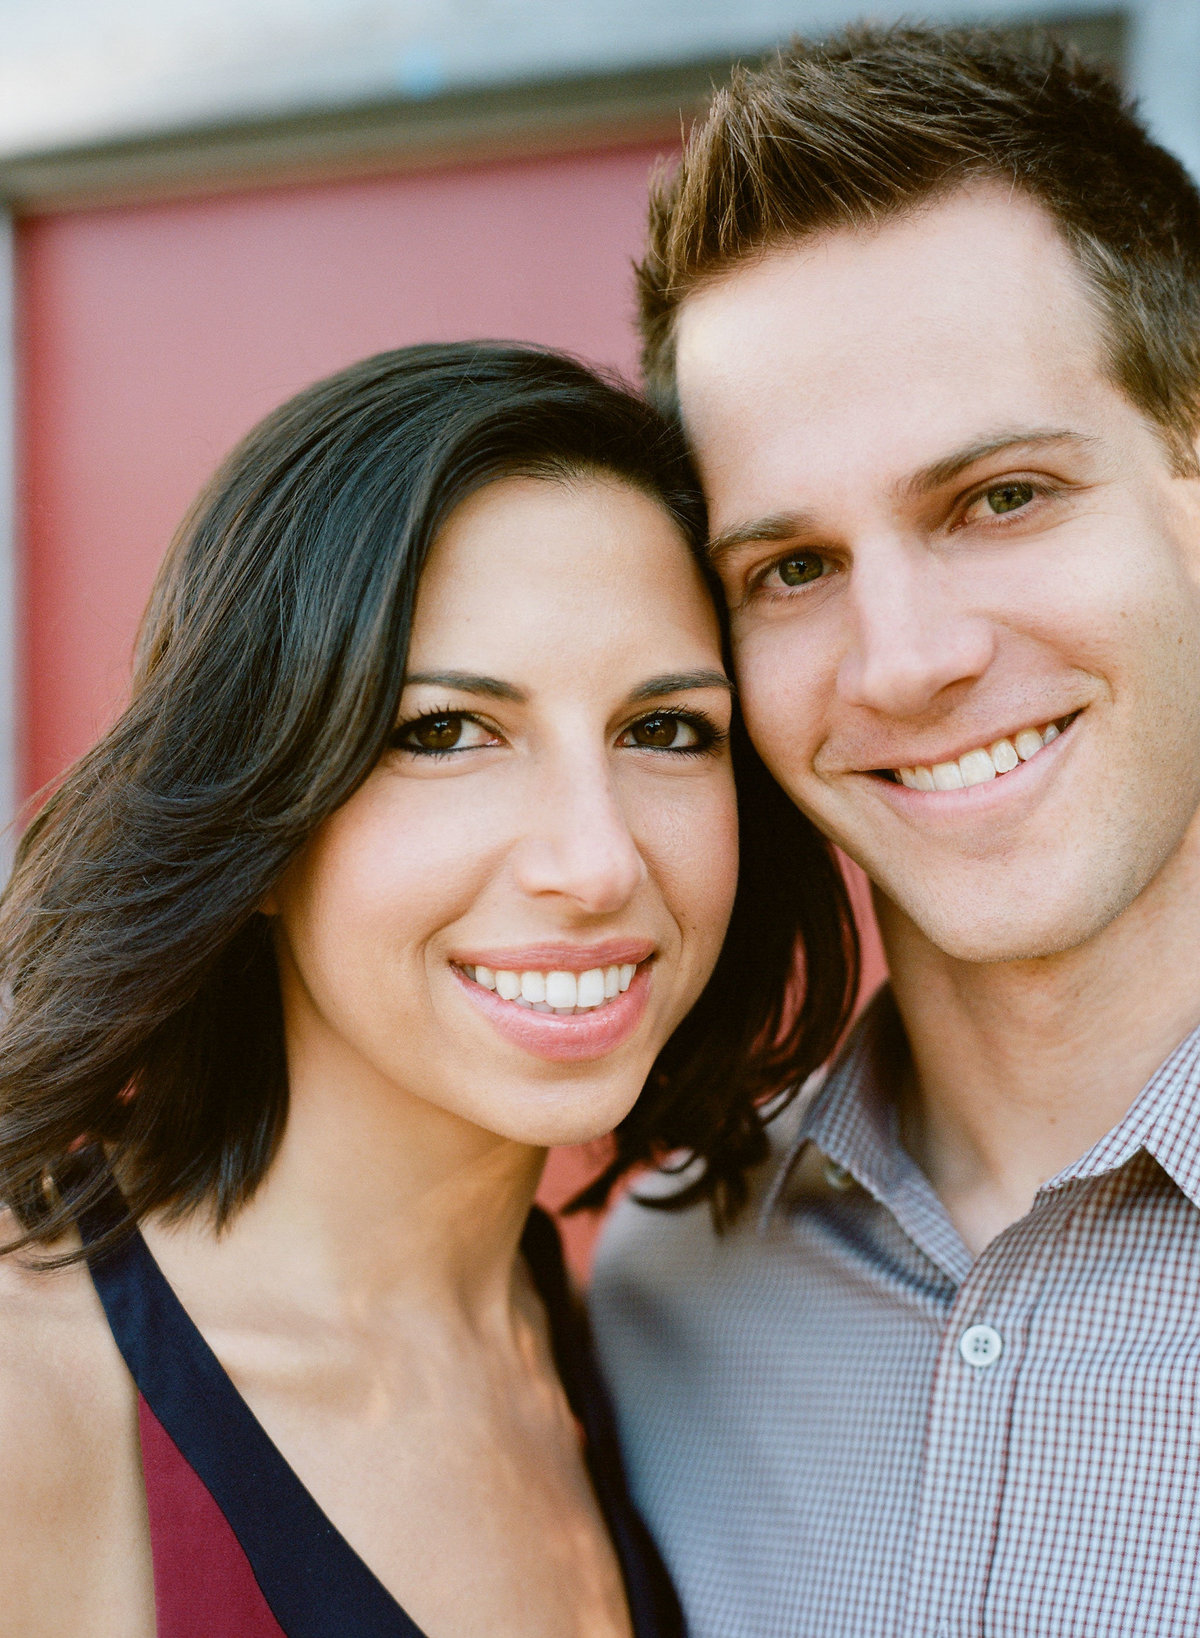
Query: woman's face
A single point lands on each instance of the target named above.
(528, 893)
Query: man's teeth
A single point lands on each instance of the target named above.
(556, 991)
(978, 766)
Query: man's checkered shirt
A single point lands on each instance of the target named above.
(840, 1426)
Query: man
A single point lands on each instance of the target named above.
(929, 305)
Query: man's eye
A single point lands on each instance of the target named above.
(800, 569)
(1009, 497)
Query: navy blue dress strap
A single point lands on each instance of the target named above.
(313, 1581)
(653, 1604)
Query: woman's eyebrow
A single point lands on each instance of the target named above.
(467, 682)
(654, 688)
(680, 682)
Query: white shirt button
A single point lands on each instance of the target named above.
(981, 1345)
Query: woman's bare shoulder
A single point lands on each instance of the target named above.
(43, 1309)
(64, 1392)
(69, 1464)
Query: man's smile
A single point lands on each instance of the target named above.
(982, 763)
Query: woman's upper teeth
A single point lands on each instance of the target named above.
(557, 991)
(978, 766)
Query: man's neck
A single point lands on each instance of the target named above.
(1020, 1067)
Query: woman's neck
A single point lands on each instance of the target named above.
(376, 1198)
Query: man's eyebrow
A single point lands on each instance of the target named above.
(778, 526)
(784, 526)
(467, 682)
(679, 682)
(950, 466)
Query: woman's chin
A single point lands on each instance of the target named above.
(570, 1132)
(560, 1117)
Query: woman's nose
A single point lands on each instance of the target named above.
(578, 844)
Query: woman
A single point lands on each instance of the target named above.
(411, 856)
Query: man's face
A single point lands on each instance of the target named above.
(944, 533)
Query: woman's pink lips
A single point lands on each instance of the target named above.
(564, 1037)
(563, 958)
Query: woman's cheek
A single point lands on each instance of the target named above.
(697, 846)
(720, 876)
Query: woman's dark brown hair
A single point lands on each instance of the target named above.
(142, 1002)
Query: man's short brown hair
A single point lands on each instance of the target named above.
(874, 122)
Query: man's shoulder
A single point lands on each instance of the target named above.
(643, 1232)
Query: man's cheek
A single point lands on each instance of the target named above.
(782, 699)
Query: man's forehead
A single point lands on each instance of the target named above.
(887, 350)
(957, 268)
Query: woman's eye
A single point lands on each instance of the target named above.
(664, 732)
(436, 734)
(445, 731)
(800, 569)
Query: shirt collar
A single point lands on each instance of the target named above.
(851, 1119)
(1163, 1121)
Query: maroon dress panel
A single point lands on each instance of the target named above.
(203, 1584)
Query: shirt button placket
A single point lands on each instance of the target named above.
(963, 1475)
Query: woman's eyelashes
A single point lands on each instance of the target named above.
(448, 733)
(442, 733)
(687, 733)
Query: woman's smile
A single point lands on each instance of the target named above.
(562, 1033)
(555, 990)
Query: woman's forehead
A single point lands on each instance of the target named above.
(529, 566)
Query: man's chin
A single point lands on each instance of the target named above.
(978, 934)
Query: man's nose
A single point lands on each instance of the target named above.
(578, 844)
(910, 637)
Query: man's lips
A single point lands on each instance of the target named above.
(978, 764)
(986, 799)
